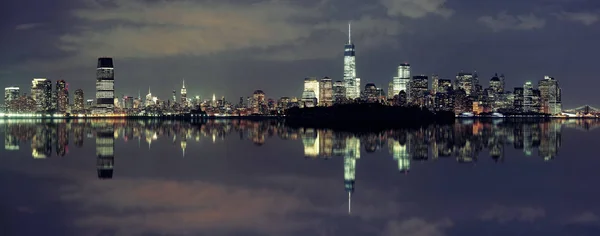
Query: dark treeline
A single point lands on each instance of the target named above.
(360, 117)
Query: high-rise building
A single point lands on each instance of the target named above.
(391, 90)
(78, 100)
(10, 94)
(496, 84)
(402, 80)
(105, 85)
(434, 83)
(464, 81)
(444, 85)
(518, 102)
(184, 101)
(41, 92)
(339, 92)
(528, 97)
(352, 89)
(312, 84)
(550, 96)
(62, 96)
(326, 92)
(370, 93)
(128, 102)
(418, 89)
(258, 102)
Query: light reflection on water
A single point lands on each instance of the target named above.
(212, 161)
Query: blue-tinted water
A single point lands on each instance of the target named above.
(262, 178)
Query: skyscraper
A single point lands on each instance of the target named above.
(464, 81)
(496, 84)
(62, 96)
(528, 97)
(550, 95)
(402, 80)
(11, 93)
(41, 92)
(339, 92)
(184, 95)
(78, 100)
(418, 88)
(326, 92)
(105, 85)
(312, 84)
(352, 89)
(434, 84)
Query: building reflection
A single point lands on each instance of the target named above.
(465, 141)
(105, 148)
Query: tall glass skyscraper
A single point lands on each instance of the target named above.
(62, 96)
(350, 80)
(41, 92)
(105, 85)
(400, 82)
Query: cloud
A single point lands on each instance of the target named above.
(416, 227)
(144, 29)
(586, 18)
(416, 8)
(503, 214)
(28, 26)
(584, 218)
(504, 21)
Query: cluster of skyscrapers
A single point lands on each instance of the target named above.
(464, 94)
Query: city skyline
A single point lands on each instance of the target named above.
(523, 40)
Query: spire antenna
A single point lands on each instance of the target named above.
(349, 32)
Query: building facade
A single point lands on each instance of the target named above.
(62, 96)
(325, 92)
(105, 85)
(78, 100)
(350, 80)
(41, 92)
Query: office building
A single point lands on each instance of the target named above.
(10, 94)
(41, 92)
(258, 102)
(350, 80)
(105, 85)
(312, 84)
(128, 102)
(326, 92)
(418, 90)
(402, 81)
(339, 92)
(62, 96)
(434, 84)
(528, 97)
(464, 81)
(78, 100)
(496, 84)
(184, 100)
(444, 86)
(518, 96)
(550, 96)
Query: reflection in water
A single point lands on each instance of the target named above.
(464, 140)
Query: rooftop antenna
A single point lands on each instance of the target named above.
(349, 32)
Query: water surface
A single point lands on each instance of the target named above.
(120, 177)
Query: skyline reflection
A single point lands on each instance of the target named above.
(302, 178)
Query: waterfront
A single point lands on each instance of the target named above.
(241, 177)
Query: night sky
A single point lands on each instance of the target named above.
(233, 47)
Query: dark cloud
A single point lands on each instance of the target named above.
(273, 45)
